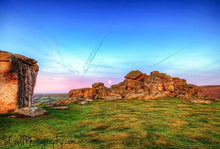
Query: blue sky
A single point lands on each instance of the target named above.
(78, 43)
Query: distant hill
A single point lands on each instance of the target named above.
(48, 97)
(212, 90)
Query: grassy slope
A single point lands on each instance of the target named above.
(163, 123)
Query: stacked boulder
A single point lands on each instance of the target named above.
(141, 86)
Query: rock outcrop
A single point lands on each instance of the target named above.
(139, 85)
(17, 80)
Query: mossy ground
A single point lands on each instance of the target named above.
(162, 123)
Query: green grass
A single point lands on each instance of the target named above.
(162, 123)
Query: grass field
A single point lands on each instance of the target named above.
(162, 123)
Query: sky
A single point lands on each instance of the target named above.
(80, 42)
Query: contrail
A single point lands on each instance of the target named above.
(93, 53)
(166, 58)
(99, 46)
(90, 55)
(51, 43)
(67, 66)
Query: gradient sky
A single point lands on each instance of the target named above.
(79, 42)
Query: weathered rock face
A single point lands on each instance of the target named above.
(17, 80)
(141, 86)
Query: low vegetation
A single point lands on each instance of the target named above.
(161, 123)
(44, 98)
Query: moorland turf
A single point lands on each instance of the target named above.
(161, 123)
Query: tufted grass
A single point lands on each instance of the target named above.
(162, 123)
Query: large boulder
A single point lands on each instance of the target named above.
(31, 111)
(133, 74)
(17, 80)
(168, 86)
(98, 85)
(102, 93)
(82, 93)
(133, 85)
(179, 82)
(142, 77)
(75, 93)
(157, 86)
(89, 92)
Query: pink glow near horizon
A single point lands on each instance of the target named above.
(56, 84)
(52, 84)
(46, 84)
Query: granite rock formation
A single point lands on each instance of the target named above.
(17, 80)
(141, 86)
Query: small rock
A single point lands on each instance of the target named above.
(12, 116)
(83, 102)
(89, 100)
(61, 108)
(200, 101)
(32, 112)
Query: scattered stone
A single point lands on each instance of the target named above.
(61, 107)
(12, 116)
(83, 102)
(88, 100)
(200, 101)
(31, 112)
(17, 80)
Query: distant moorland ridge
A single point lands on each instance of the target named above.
(213, 91)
